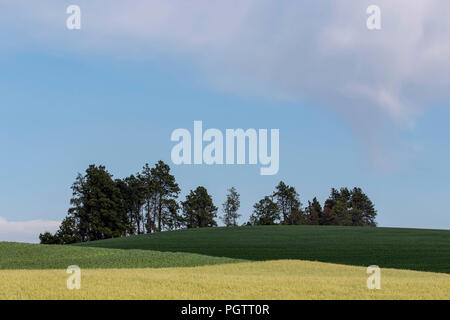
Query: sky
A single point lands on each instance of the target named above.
(354, 107)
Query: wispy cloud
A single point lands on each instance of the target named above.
(320, 52)
(25, 231)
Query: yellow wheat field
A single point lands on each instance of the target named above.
(281, 279)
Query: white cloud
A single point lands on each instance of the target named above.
(316, 51)
(25, 231)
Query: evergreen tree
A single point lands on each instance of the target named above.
(172, 220)
(160, 188)
(362, 209)
(166, 191)
(68, 231)
(231, 207)
(288, 203)
(97, 210)
(133, 196)
(48, 238)
(313, 212)
(342, 207)
(328, 215)
(265, 212)
(198, 209)
(348, 208)
(97, 205)
(336, 208)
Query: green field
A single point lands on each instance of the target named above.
(36, 256)
(414, 249)
(267, 262)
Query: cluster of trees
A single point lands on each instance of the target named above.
(103, 207)
(344, 207)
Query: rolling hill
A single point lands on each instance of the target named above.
(36, 256)
(414, 249)
(268, 262)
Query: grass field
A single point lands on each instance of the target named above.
(273, 262)
(414, 249)
(283, 279)
(35, 256)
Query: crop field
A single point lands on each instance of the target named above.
(283, 279)
(414, 249)
(36, 256)
(274, 262)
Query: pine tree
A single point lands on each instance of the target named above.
(97, 206)
(362, 209)
(133, 195)
(288, 203)
(348, 208)
(313, 212)
(160, 188)
(172, 220)
(198, 209)
(97, 210)
(166, 191)
(265, 212)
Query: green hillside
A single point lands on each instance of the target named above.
(416, 249)
(37, 256)
(425, 250)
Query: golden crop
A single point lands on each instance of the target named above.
(280, 279)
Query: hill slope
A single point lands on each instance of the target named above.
(416, 249)
(37, 256)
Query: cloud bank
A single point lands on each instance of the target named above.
(25, 231)
(318, 52)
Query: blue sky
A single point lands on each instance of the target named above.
(70, 99)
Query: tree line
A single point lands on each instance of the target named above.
(146, 202)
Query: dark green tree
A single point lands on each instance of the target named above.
(68, 231)
(172, 220)
(230, 208)
(348, 208)
(265, 212)
(362, 209)
(336, 208)
(289, 204)
(48, 238)
(198, 209)
(133, 195)
(342, 207)
(97, 205)
(313, 212)
(97, 210)
(166, 192)
(160, 189)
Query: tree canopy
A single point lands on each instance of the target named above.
(145, 202)
(198, 209)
